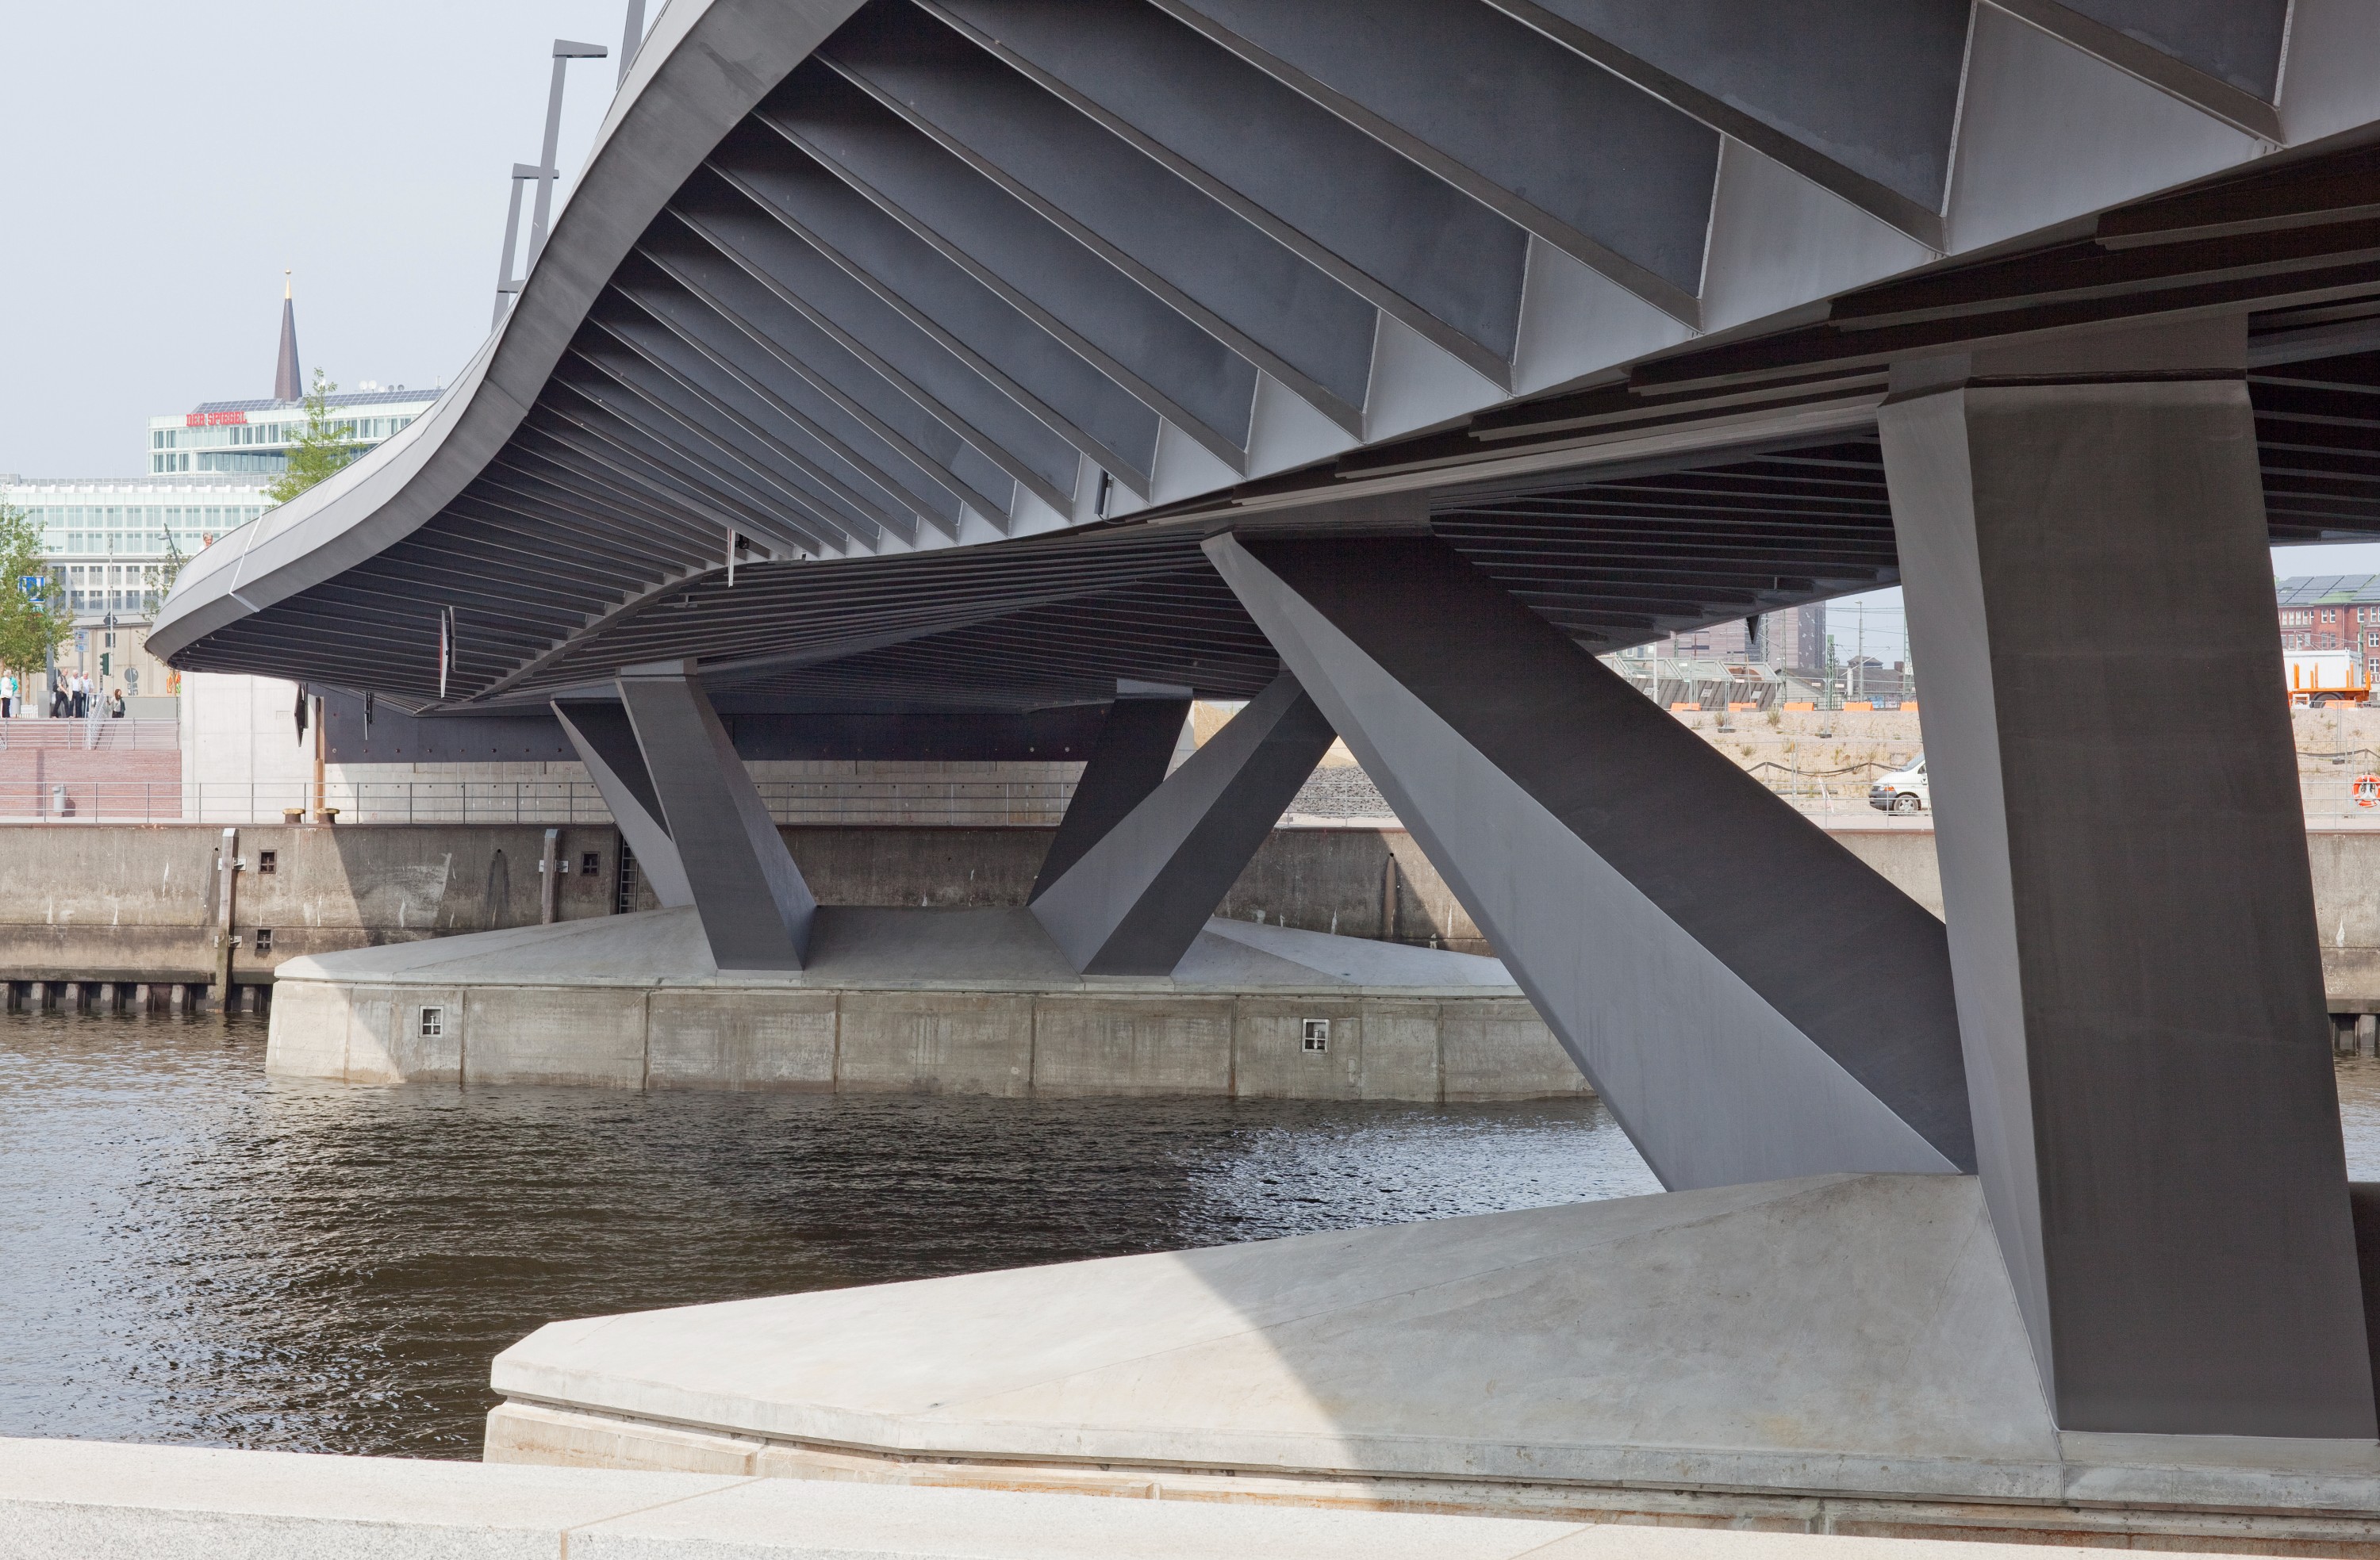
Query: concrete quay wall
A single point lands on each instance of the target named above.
(135, 904)
(852, 1040)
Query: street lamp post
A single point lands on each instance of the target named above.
(506, 284)
(564, 51)
(545, 171)
(630, 36)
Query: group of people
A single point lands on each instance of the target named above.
(72, 697)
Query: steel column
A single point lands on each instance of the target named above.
(2123, 858)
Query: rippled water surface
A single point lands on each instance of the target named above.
(191, 1251)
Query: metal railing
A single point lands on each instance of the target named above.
(26, 732)
(2344, 799)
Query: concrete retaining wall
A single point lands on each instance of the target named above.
(128, 902)
(104, 901)
(1002, 1043)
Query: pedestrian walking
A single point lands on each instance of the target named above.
(79, 704)
(115, 705)
(7, 695)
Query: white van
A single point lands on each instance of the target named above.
(1903, 790)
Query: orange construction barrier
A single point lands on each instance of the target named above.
(1677, 708)
(1800, 704)
(1859, 704)
(1735, 708)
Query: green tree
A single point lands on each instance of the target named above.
(158, 578)
(319, 449)
(34, 616)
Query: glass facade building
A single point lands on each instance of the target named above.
(252, 438)
(110, 540)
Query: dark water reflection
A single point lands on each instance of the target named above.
(192, 1252)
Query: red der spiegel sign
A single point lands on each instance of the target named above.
(214, 419)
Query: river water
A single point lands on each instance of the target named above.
(190, 1252)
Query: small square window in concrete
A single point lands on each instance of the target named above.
(265, 939)
(1317, 1035)
(433, 1022)
(590, 864)
(267, 865)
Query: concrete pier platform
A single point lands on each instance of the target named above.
(1837, 1354)
(917, 1000)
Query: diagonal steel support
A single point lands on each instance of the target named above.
(1135, 901)
(756, 910)
(599, 728)
(1751, 1000)
(1136, 744)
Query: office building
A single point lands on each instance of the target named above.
(2329, 613)
(112, 540)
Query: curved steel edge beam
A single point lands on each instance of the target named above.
(722, 57)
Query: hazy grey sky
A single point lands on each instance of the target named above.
(165, 163)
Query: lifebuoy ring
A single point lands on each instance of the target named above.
(2367, 791)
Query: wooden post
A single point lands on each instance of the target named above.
(321, 800)
(549, 875)
(226, 905)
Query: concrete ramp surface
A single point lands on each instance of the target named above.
(1849, 1332)
(1838, 1353)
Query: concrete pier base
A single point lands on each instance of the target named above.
(1838, 1353)
(957, 1001)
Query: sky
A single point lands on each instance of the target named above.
(167, 163)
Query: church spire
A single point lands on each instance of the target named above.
(288, 383)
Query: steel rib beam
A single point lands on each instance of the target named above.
(1381, 225)
(877, 339)
(968, 320)
(1603, 171)
(769, 457)
(1158, 356)
(859, 441)
(1257, 298)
